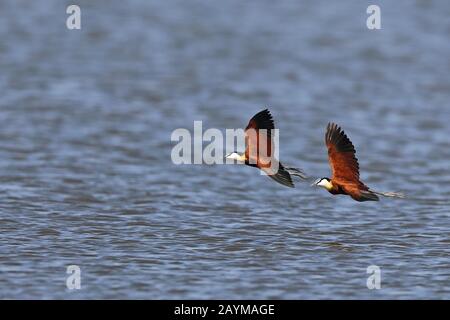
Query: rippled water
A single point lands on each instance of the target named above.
(85, 170)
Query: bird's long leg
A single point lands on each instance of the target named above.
(296, 173)
(390, 194)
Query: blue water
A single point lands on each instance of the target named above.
(86, 176)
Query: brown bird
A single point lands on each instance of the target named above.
(259, 150)
(345, 169)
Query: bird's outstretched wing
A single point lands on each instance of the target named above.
(341, 155)
(258, 145)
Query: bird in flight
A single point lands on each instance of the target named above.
(345, 169)
(259, 147)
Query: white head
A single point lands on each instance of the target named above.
(235, 156)
(323, 183)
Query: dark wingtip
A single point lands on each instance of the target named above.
(264, 119)
(266, 112)
(337, 136)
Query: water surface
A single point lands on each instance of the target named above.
(85, 170)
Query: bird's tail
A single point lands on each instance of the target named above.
(296, 173)
(398, 195)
